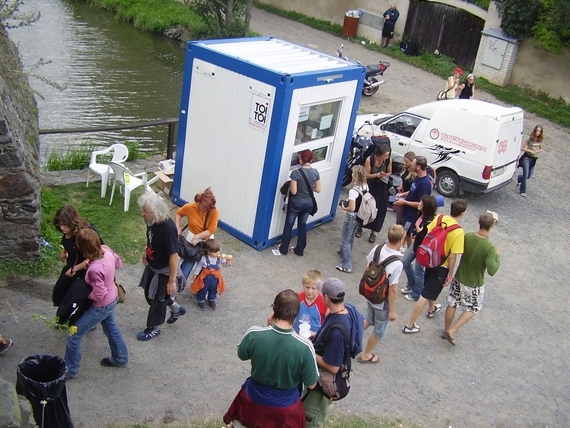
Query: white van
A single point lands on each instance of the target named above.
(472, 144)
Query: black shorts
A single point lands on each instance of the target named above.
(433, 282)
(388, 31)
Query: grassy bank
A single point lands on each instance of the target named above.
(157, 16)
(122, 231)
(540, 103)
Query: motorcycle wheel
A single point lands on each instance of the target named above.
(367, 91)
(347, 178)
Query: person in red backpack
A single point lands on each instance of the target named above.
(438, 277)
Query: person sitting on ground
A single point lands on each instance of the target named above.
(5, 344)
(68, 221)
(438, 277)
(379, 314)
(203, 219)
(468, 286)
(206, 276)
(281, 360)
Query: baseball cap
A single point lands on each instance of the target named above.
(333, 288)
(459, 71)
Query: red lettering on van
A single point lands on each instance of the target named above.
(502, 146)
(461, 142)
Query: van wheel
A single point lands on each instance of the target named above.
(447, 183)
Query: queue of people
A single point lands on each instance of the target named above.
(287, 388)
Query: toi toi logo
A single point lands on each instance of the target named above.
(502, 146)
(260, 112)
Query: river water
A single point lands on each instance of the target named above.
(113, 73)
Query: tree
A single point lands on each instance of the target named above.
(224, 18)
(546, 21)
(11, 17)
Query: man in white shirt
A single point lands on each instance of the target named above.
(379, 314)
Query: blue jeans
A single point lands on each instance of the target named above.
(299, 212)
(527, 165)
(415, 273)
(95, 315)
(348, 227)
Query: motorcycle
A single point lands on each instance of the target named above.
(361, 148)
(371, 83)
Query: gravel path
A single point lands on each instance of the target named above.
(510, 367)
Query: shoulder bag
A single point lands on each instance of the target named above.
(315, 207)
(190, 252)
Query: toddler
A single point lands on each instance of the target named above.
(206, 276)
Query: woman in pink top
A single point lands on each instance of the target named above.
(100, 275)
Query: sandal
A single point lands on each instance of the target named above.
(372, 238)
(374, 359)
(358, 232)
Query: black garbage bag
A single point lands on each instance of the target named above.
(41, 379)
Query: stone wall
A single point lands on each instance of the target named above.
(19, 159)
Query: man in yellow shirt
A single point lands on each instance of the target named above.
(437, 278)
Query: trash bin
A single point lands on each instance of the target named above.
(350, 24)
(41, 379)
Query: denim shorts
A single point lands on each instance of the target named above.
(379, 319)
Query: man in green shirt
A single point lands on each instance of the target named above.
(468, 285)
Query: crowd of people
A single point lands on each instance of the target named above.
(317, 328)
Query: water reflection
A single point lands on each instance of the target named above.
(114, 73)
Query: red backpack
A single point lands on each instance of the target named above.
(431, 252)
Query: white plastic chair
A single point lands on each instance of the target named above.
(128, 181)
(120, 155)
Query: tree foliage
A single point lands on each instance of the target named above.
(224, 18)
(546, 21)
(11, 17)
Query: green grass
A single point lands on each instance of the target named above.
(58, 159)
(122, 231)
(156, 16)
(540, 103)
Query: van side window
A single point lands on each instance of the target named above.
(403, 125)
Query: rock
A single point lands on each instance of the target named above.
(9, 408)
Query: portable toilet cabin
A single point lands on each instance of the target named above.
(248, 107)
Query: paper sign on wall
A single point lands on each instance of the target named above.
(258, 111)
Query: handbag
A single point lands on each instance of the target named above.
(442, 95)
(121, 292)
(315, 207)
(190, 252)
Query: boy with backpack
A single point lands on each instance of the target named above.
(387, 260)
(441, 265)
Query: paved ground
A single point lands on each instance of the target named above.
(509, 368)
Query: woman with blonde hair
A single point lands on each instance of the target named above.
(350, 221)
(531, 148)
(203, 219)
(100, 275)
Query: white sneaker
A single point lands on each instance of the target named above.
(437, 309)
(523, 195)
(405, 291)
(409, 297)
(409, 330)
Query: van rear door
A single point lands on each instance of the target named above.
(506, 150)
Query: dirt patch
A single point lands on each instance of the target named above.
(508, 367)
